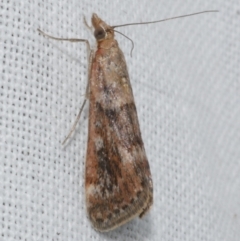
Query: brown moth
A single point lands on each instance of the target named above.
(118, 182)
(118, 179)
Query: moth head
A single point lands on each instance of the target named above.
(102, 30)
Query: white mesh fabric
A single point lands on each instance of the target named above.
(185, 77)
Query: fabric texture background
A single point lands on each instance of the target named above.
(185, 77)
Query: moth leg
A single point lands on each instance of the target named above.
(65, 39)
(75, 123)
(90, 53)
(84, 102)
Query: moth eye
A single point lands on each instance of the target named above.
(99, 33)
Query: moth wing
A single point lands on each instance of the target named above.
(118, 178)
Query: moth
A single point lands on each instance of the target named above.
(118, 181)
(118, 178)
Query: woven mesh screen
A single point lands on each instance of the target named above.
(185, 78)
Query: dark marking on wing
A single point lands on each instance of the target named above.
(121, 132)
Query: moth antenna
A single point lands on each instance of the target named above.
(166, 19)
(86, 23)
(128, 39)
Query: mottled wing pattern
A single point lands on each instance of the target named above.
(118, 178)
